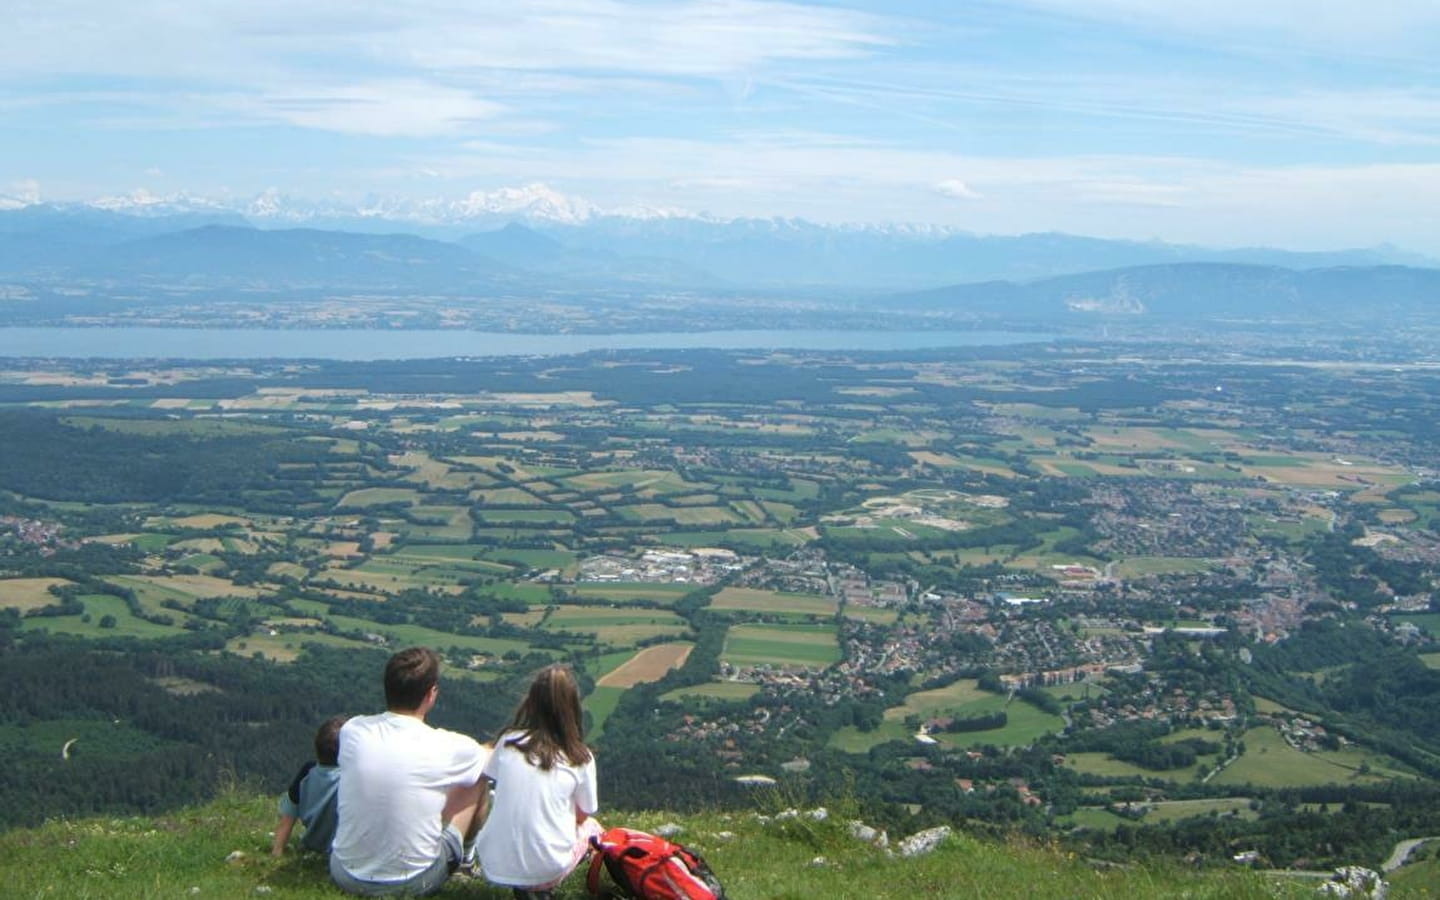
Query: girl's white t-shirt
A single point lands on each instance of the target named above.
(529, 837)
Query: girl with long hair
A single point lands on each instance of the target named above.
(542, 814)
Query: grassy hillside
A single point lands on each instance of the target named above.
(193, 853)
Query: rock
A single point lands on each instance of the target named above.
(862, 832)
(1357, 882)
(725, 836)
(819, 862)
(819, 814)
(195, 889)
(263, 889)
(787, 814)
(922, 842)
(235, 856)
(669, 830)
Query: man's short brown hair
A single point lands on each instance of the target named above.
(409, 676)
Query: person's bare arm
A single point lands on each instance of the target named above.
(282, 835)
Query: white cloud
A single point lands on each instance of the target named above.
(957, 189)
(407, 108)
(1390, 27)
(215, 38)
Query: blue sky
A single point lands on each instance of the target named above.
(1298, 123)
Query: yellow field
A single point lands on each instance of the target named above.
(686, 515)
(209, 520)
(195, 586)
(29, 593)
(773, 602)
(559, 398)
(507, 497)
(648, 665)
(528, 619)
(114, 539)
(876, 614)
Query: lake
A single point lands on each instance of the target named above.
(368, 344)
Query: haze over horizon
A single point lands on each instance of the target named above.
(1292, 124)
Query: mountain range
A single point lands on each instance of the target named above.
(566, 246)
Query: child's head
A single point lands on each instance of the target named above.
(552, 720)
(327, 741)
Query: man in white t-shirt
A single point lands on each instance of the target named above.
(409, 794)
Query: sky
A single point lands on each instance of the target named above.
(1307, 124)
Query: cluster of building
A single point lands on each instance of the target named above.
(46, 536)
(700, 566)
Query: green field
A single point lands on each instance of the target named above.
(1428, 621)
(781, 645)
(715, 690)
(600, 703)
(620, 627)
(962, 699)
(599, 666)
(1431, 659)
(652, 592)
(1099, 763)
(546, 516)
(1270, 762)
(534, 558)
(744, 539)
(681, 515)
(97, 606)
(378, 496)
(416, 635)
(876, 614)
(754, 600)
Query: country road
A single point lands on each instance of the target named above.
(1402, 852)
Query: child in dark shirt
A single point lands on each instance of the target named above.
(312, 795)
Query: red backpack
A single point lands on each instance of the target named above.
(646, 867)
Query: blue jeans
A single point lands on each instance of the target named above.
(432, 879)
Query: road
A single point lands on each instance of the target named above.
(1402, 852)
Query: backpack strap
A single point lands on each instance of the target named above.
(597, 862)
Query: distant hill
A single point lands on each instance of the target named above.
(1197, 291)
(589, 250)
(294, 256)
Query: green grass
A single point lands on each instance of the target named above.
(963, 699)
(755, 600)
(715, 690)
(1431, 659)
(737, 538)
(781, 645)
(1269, 762)
(1176, 810)
(377, 496)
(605, 663)
(1428, 621)
(535, 559)
(98, 606)
(416, 635)
(641, 590)
(546, 516)
(600, 703)
(188, 852)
